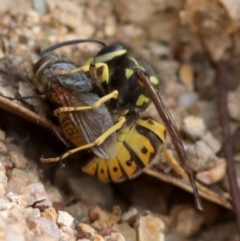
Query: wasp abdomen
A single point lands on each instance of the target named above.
(136, 148)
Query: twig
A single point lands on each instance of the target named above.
(227, 138)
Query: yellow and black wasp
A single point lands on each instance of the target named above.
(137, 141)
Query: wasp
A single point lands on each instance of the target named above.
(137, 86)
(68, 87)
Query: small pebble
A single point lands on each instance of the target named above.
(42, 237)
(114, 237)
(213, 175)
(50, 213)
(194, 127)
(98, 238)
(69, 232)
(47, 227)
(2, 190)
(3, 179)
(79, 211)
(186, 75)
(128, 232)
(150, 229)
(5, 162)
(18, 159)
(3, 147)
(130, 216)
(13, 197)
(28, 177)
(103, 218)
(185, 220)
(85, 231)
(64, 236)
(188, 99)
(31, 213)
(201, 157)
(15, 184)
(2, 167)
(40, 6)
(110, 27)
(35, 193)
(53, 193)
(64, 219)
(206, 82)
(21, 200)
(211, 141)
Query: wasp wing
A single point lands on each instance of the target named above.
(172, 130)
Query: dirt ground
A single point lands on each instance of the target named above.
(191, 45)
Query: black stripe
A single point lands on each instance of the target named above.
(134, 158)
(150, 135)
(154, 140)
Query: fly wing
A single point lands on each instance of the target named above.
(90, 123)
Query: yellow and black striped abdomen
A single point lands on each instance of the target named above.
(136, 148)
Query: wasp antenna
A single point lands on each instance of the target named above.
(71, 42)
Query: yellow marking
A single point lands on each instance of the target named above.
(89, 61)
(137, 146)
(115, 170)
(125, 158)
(122, 134)
(102, 171)
(154, 126)
(141, 68)
(106, 57)
(134, 61)
(142, 99)
(105, 71)
(128, 73)
(105, 75)
(91, 167)
(154, 80)
(125, 112)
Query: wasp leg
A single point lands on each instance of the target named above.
(97, 142)
(87, 68)
(112, 95)
(173, 163)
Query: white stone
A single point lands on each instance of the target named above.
(194, 127)
(64, 218)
